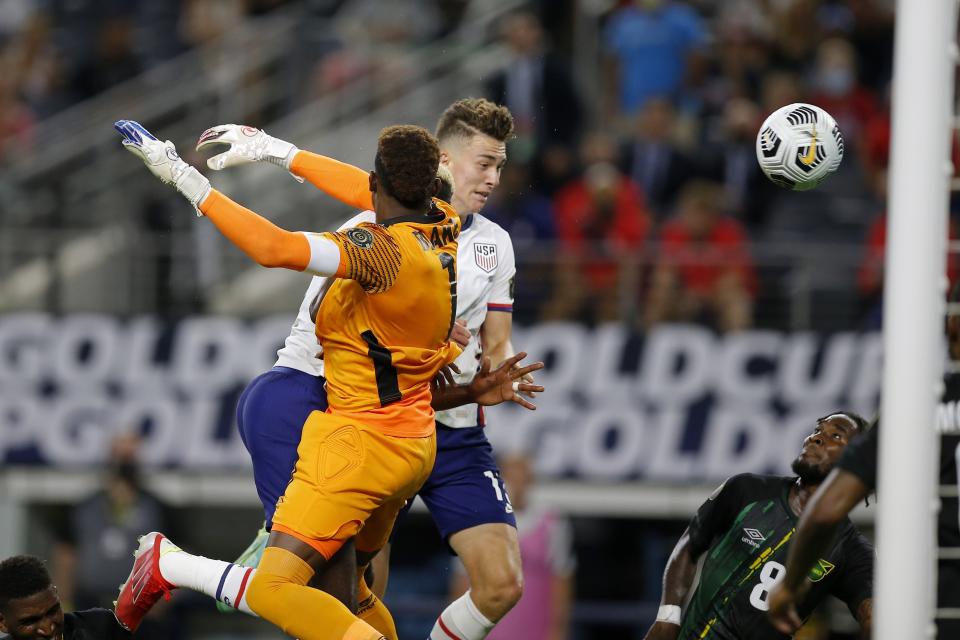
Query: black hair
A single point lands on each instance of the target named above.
(406, 164)
(22, 577)
(862, 424)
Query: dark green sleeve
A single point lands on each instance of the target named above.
(716, 514)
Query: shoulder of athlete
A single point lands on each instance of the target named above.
(757, 480)
(357, 219)
(480, 221)
(852, 538)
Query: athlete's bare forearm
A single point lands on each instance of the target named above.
(679, 574)
(451, 397)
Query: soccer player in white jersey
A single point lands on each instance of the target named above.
(465, 494)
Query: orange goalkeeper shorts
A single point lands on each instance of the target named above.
(350, 480)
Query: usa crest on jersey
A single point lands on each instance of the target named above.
(485, 255)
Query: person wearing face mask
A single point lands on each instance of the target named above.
(96, 537)
(837, 89)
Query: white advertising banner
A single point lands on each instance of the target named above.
(679, 404)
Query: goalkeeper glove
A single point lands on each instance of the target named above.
(246, 145)
(162, 160)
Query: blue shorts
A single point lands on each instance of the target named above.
(465, 489)
(270, 416)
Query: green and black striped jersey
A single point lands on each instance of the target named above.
(745, 529)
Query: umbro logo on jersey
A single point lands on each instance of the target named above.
(485, 255)
(753, 537)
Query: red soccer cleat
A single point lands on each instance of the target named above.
(144, 585)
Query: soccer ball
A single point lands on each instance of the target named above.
(799, 145)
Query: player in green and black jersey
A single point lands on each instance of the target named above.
(855, 478)
(30, 607)
(745, 529)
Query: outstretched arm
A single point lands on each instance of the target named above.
(263, 241)
(344, 182)
(488, 388)
(677, 580)
(245, 145)
(266, 243)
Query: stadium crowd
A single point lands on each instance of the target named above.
(640, 175)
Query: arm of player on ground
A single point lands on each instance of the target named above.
(678, 579)
(339, 180)
(712, 518)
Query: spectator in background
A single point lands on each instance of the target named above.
(113, 61)
(871, 33)
(741, 49)
(36, 67)
(649, 43)
(797, 31)
(870, 273)
(203, 21)
(546, 546)
(703, 272)
(528, 217)
(601, 221)
(651, 158)
(538, 88)
(836, 88)
(731, 160)
(779, 88)
(98, 536)
(16, 122)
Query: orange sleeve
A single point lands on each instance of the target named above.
(344, 182)
(369, 255)
(265, 242)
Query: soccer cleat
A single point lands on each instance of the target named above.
(145, 585)
(249, 558)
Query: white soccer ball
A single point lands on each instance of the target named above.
(799, 145)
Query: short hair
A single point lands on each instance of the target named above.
(861, 423)
(446, 183)
(406, 164)
(22, 577)
(467, 117)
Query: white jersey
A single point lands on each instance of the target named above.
(301, 350)
(485, 271)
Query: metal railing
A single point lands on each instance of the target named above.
(131, 271)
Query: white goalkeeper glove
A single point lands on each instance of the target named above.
(162, 160)
(246, 145)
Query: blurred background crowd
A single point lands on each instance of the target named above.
(632, 196)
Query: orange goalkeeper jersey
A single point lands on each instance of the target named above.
(384, 323)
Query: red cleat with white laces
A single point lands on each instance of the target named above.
(144, 585)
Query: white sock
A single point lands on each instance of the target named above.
(461, 621)
(223, 581)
